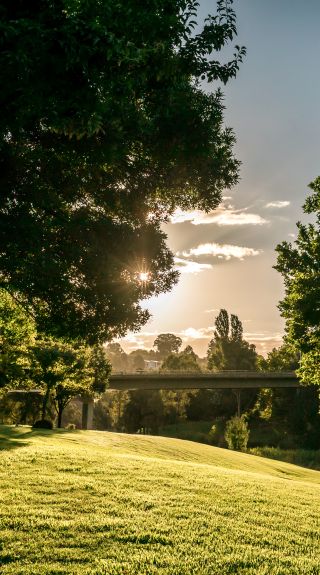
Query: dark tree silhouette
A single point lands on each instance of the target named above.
(104, 131)
(228, 350)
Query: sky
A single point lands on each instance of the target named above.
(226, 257)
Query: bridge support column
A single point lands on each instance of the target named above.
(87, 414)
(237, 393)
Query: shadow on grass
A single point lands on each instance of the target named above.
(15, 436)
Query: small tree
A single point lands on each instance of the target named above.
(237, 433)
(65, 371)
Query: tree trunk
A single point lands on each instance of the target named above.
(45, 403)
(60, 411)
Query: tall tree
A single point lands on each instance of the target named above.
(167, 343)
(117, 356)
(299, 264)
(228, 349)
(104, 131)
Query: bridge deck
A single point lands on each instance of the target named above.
(217, 380)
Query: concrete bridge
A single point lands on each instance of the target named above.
(215, 380)
(234, 380)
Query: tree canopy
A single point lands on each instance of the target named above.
(283, 358)
(186, 360)
(64, 371)
(104, 131)
(299, 264)
(228, 349)
(166, 343)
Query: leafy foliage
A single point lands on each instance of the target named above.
(117, 357)
(143, 411)
(43, 424)
(237, 433)
(186, 360)
(299, 264)
(309, 371)
(105, 130)
(284, 358)
(17, 333)
(167, 343)
(228, 350)
(65, 371)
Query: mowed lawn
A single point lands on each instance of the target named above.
(97, 503)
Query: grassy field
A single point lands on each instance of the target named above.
(96, 503)
(200, 431)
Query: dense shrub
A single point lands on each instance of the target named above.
(42, 424)
(237, 433)
(71, 426)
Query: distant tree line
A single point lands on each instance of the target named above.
(278, 417)
(62, 371)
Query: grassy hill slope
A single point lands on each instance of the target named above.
(96, 503)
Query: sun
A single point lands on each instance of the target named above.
(143, 276)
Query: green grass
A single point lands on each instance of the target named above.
(191, 430)
(305, 457)
(97, 503)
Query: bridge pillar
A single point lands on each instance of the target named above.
(87, 414)
(237, 393)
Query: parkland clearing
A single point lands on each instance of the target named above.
(99, 503)
(116, 167)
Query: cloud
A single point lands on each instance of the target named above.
(143, 340)
(278, 204)
(191, 333)
(223, 216)
(262, 337)
(226, 251)
(190, 267)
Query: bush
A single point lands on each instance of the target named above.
(237, 433)
(212, 435)
(71, 426)
(42, 424)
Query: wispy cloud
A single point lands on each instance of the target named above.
(263, 337)
(221, 251)
(277, 204)
(225, 215)
(190, 267)
(143, 340)
(191, 333)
